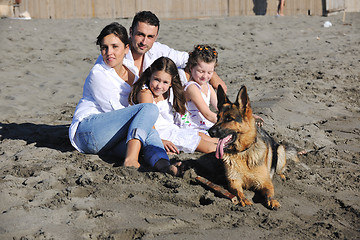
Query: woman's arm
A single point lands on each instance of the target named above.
(193, 93)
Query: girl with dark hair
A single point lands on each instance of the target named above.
(160, 84)
(103, 121)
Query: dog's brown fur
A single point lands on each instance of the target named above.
(251, 156)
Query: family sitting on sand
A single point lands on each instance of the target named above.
(134, 98)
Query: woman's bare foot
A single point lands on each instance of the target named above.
(132, 153)
(176, 169)
(131, 163)
(164, 166)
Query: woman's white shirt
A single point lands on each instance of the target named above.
(104, 91)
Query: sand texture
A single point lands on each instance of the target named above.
(302, 78)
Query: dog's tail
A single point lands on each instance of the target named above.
(291, 153)
(284, 154)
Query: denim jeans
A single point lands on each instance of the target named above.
(108, 133)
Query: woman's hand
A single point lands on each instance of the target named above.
(170, 147)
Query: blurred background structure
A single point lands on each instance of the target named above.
(170, 9)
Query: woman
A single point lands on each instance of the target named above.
(103, 121)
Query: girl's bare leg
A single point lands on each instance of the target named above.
(132, 153)
(208, 138)
(206, 146)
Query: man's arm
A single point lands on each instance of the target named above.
(180, 58)
(215, 81)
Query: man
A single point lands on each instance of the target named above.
(144, 49)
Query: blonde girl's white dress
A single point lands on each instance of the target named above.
(185, 140)
(193, 118)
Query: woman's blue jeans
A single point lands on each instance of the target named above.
(108, 133)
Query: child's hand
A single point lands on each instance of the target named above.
(170, 147)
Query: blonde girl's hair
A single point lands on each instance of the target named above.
(204, 53)
(167, 65)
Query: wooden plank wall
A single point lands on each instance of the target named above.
(269, 7)
(169, 9)
(335, 5)
(123, 8)
(352, 5)
(174, 9)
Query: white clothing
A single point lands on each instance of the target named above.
(193, 118)
(104, 91)
(185, 140)
(157, 50)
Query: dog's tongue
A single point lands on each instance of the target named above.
(220, 147)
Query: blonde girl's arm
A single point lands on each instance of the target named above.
(193, 93)
(213, 98)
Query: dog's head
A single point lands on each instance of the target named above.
(235, 126)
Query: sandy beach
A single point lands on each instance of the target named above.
(302, 79)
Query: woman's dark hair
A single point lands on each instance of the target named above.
(167, 65)
(145, 17)
(115, 28)
(204, 53)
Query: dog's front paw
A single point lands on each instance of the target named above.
(273, 204)
(244, 202)
(282, 176)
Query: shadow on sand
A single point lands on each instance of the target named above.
(49, 136)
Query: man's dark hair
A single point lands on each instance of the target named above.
(145, 17)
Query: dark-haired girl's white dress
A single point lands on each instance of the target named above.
(185, 140)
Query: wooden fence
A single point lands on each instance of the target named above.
(176, 9)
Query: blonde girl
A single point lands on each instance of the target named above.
(198, 92)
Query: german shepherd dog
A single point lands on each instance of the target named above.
(250, 155)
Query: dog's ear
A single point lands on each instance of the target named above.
(221, 97)
(243, 102)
